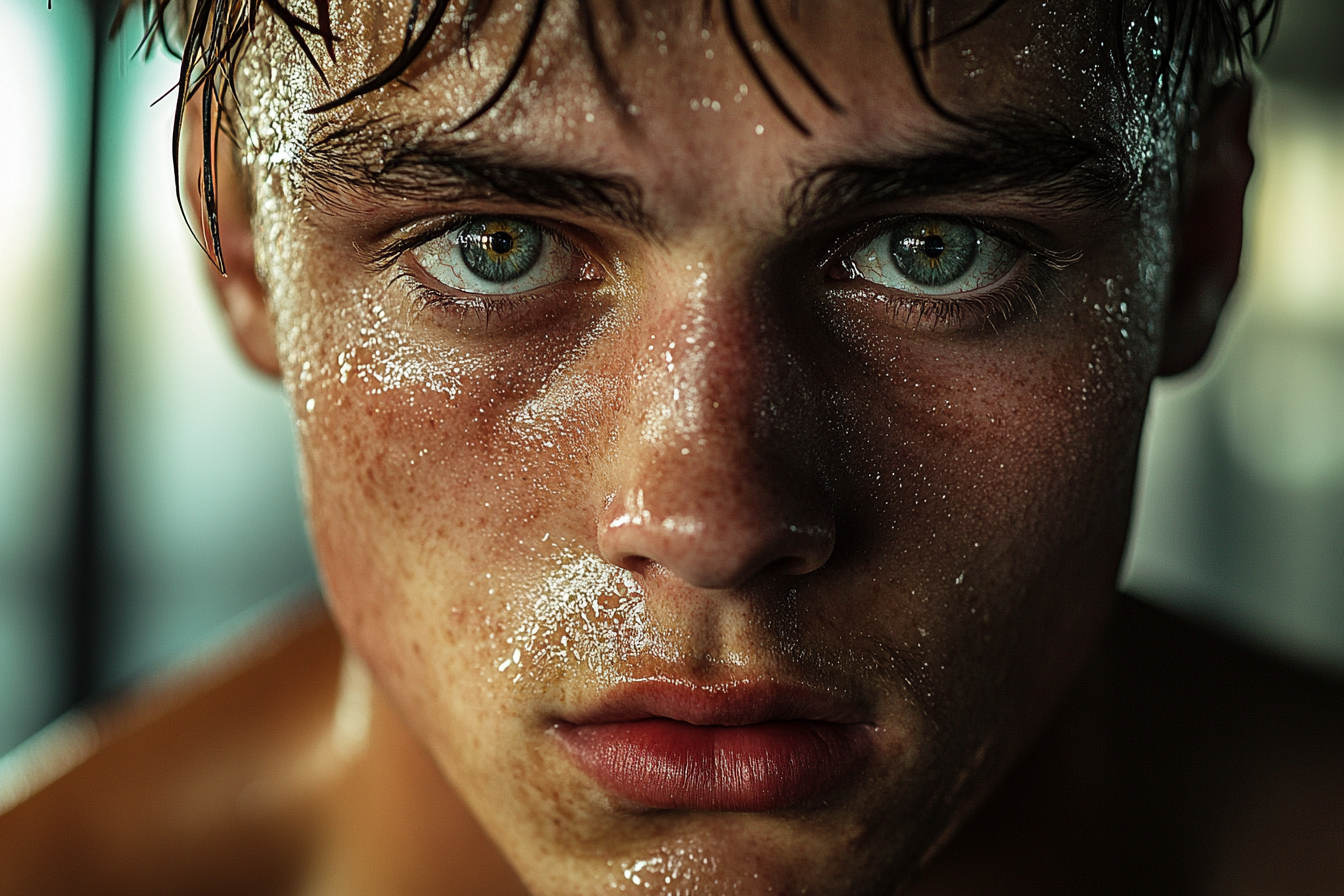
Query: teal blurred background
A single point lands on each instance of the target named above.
(1240, 511)
(197, 512)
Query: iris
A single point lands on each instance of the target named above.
(934, 252)
(500, 249)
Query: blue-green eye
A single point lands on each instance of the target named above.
(500, 249)
(934, 256)
(497, 256)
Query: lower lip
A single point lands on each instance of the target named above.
(667, 764)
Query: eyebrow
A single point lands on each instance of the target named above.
(1044, 162)
(397, 161)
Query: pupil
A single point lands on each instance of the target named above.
(500, 250)
(934, 252)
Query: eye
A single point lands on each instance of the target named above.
(498, 256)
(933, 257)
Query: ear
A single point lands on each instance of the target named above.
(240, 292)
(1209, 227)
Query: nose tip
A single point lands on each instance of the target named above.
(716, 541)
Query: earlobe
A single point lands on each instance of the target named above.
(1209, 227)
(240, 292)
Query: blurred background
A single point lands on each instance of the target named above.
(148, 492)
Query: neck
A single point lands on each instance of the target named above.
(394, 823)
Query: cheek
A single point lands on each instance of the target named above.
(1011, 439)
(434, 478)
(988, 488)
(979, 445)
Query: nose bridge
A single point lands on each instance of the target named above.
(704, 384)
(705, 484)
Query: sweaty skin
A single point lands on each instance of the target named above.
(709, 456)
(711, 461)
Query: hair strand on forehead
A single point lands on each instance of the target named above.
(410, 51)
(749, 56)
(767, 22)
(611, 87)
(516, 66)
(1203, 39)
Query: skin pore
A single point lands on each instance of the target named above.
(717, 445)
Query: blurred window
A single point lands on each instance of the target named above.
(44, 104)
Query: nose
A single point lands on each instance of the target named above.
(711, 478)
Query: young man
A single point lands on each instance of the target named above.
(718, 425)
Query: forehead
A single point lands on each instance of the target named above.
(658, 60)
(700, 104)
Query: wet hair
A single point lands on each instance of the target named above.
(1199, 40)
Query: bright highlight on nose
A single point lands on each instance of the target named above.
(713, 543)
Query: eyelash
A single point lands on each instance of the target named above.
(965, 312)
(481, 307)
(1022, 286)
(461, 304)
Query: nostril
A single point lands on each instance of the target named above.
(635, 563)
(713, 549)
(794, 566)
(809, 547)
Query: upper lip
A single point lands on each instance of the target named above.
(732, 703)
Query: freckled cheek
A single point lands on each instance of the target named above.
(985, 466)
(412, 520)
(425, 502)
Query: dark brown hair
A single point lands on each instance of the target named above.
(1199, 39)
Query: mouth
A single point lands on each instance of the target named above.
(741, 748)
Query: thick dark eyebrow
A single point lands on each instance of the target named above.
(371, 157)
(1042, 163)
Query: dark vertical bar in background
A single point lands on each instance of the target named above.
(85, 611)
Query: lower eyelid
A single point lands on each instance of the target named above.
(1018, 289)
(461, 307)
(476, 312)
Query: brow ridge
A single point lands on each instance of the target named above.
(388, 160)
(1047, 162)
(1044, 160)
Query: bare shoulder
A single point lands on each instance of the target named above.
(1186, 763)
(1227, 762)
(163, 789)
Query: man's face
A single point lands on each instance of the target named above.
(722, 505)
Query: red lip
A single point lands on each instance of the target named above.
(742, 748)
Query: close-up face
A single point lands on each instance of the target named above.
(723, 486)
